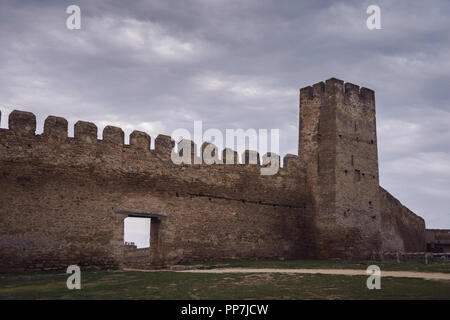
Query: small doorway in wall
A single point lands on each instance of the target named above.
(136, 232)
(138, 237)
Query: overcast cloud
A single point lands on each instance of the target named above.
(159, 65)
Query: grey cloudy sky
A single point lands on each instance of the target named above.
(159, 65)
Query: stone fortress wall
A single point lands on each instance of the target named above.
(63, 199)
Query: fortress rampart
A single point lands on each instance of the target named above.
(60, 196)
(63, 199)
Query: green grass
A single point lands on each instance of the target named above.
(387, 265)
(172, 285)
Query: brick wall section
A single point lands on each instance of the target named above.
(438, 240)
(137, 258)
(59, 198)
(438, 235)
(403, 230)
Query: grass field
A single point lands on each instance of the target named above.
(115, 284)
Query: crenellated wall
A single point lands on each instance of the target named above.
(64, 199)
(60, 196)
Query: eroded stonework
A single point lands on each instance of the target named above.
(60, 196)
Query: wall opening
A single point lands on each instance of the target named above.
(136, 232)
(137, 239)
(136, 242)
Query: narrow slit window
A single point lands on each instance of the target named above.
(357, 175)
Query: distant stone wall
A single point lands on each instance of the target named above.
(402, 229)
(438, 240)
(438, 235)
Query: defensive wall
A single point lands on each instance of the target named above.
(63, 199)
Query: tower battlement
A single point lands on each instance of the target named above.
(333, 86)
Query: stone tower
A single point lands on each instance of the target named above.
(338, 145)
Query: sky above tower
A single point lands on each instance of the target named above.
(159, 65)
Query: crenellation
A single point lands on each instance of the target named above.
(85, 132)
(187, 150)
(269, 157)
(55, 128)
(334, 86)
(113, 135)
(22, 123)
(250, 157)
(291, 162)
(351, 89)
(367, 95)
(359, 97)
(164, 145)
(140, 140)
(306, 93)
(210, 153)
(318, 89)
(229, 156)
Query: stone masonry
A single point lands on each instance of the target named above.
(63, 199)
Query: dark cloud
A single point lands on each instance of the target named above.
(159, 65)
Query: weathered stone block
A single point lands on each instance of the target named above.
(113, 135)
(250, 157)
(187, 150)
(210, 153)
(140, 140)
(85, 131)
(22, 123)
(55, 128)
(230, 156)
(164, 145)
(269, 157)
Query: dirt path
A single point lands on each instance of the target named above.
(348, 272)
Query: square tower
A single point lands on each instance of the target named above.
(338, 145)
